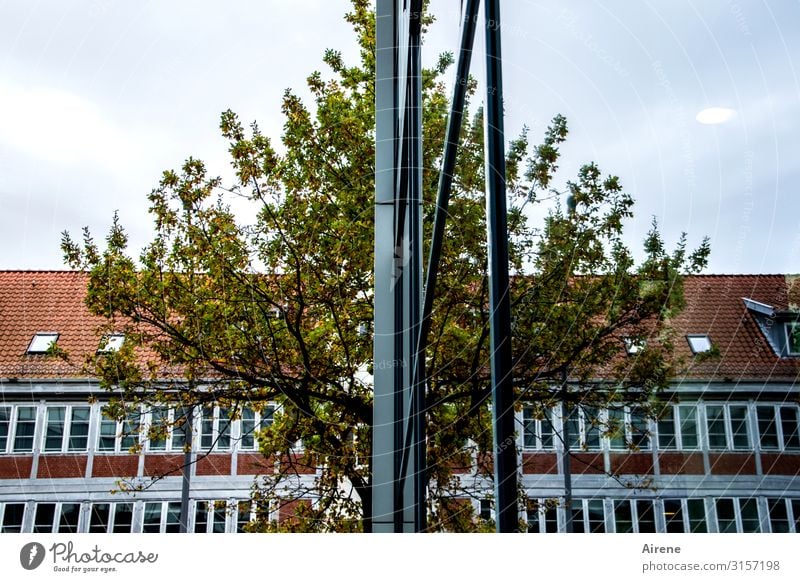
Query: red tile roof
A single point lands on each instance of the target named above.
(46, 301)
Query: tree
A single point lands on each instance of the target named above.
(217, 310)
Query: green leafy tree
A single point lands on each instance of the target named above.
(276, 309)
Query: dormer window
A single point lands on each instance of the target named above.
(111, 343)
(633, 346)
(42, 342)
(792, 329)
(700, 343)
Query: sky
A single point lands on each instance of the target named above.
(98, 97)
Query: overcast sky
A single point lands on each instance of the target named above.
(98, 97)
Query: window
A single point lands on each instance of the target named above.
(161, 517)
(685, 516)
(792, 329)
(251, 423)
(486, 512)
(629, 429)
(583, 426)
(111, 343)
(537, 428)
(209, 517)
(779, 516)
(56, 518)
(111, 518)
(119, 436)
(25, 429)
(588, 515)
(11, 516)
(737, 515)
(688, 426)
(699, 343)
(66, 428)
(215, 428)
(778, 427)
(42, 342)
(542, 516)
(166, 429)
(666, 429)
(243, 515)
(634, 516)
(633, 346)
(727, 427)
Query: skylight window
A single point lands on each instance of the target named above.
(42, 342)
(633, 346)
(111, 343)
(700, 343)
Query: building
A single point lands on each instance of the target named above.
(724, 456)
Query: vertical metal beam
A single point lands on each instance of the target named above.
(188, 445)
(383, 439)
(505, 455)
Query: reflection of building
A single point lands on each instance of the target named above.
(725, 456)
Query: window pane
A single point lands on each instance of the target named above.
(224, 440)
(5, 423)
(666, 430)
(726, 518)
(248, 424)
(688, 417)
(778, 516)
(623, 518)
(79, 428)
(673, 515)
(791, 439)
(545, 429)
(243, 516)
(795, 503)
(158, 422)
(766, 427)
(12, 517)
(173, 517)
(697, 515)
(646, 515)
(26, 427)
(638, 429)
(43, 519)
(715, 418)
(108, 434)
(123, 518)
(152, 518)
(179, 428)
(577, 516)
(551, 520)
(54, 434)
(741, 440)
(532, 514)
(201, 517)
(591, 427)
(616, 424)
(749, 511)
(207, 428)
(218, 525)
(98, 521)
(69, 518)
(130, 432)
(597, 516)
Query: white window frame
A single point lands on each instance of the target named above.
(111, 343)
(211, 508)
(542, 507)
(728, 425)
(163, 515)
(13, 428)
(686, 518)
(777, 417)
(584, 509)
(634, 508)
(260, 422)
(118, 433)
(68, 428)
(112, 515)
(55, 526)
(737, 513)
(792, 512)
(251, 512)
(788, 328)
(170, 444)
(677, 423)
(538, 429)
(629, 434)
(699, 349)
(3, 507)
(217, 422)
(37, 344)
